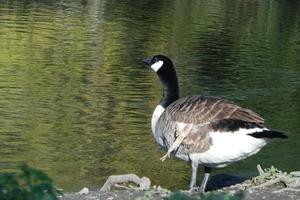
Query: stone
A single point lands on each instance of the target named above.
(295, 173)
(84, 191)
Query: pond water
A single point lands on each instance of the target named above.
(76, 101)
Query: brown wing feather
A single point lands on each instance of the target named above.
(197, 115)
(203, 110)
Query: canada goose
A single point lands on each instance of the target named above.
(210, 131)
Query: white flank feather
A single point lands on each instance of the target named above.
(229, 147)
(155, 116)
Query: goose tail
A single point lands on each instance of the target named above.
(271, 134)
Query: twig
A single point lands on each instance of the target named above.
(287, 181)
(286, 189)
(181, 135)
(260, 170)
(270, 182)
(123, 186)
(175, 145)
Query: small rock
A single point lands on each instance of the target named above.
(145, 183)
(84, 191)
(295, 173)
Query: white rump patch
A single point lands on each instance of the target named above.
(156, 66)
(229, 147)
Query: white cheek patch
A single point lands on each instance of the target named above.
(156, 66)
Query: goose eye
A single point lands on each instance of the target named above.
(155, 60)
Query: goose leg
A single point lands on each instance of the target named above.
(207, 171)
(194, 174)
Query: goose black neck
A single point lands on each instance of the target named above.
(170, 87)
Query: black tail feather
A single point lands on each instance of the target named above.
(269, 134)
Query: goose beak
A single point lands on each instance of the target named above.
(147, 61)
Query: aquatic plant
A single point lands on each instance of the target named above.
(28, 184)
(267, 174)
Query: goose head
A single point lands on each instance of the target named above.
(165, 70)
(160, 64)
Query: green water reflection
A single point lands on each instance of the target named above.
(76, 101)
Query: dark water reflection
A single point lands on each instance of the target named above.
(76, 101)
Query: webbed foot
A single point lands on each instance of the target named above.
(193, 190)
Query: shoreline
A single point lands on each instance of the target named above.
(270, 184)
(270, 192)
